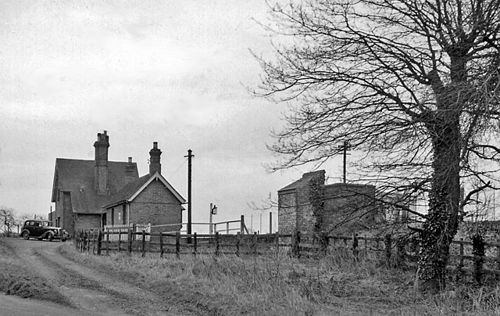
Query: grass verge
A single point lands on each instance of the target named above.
(279, 285)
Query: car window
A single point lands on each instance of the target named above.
(36, 224)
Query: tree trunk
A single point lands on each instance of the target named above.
(443, 217)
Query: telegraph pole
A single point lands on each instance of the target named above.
(344, 148)
(189, 157)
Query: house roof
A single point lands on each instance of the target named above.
(77, 176)
(133, 189)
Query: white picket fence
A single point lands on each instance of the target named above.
(123, 230)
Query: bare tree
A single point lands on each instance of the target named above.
(413, 84)
(7, 220)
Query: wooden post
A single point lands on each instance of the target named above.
(400, 253)
(270, 222)
(277, 242)
(460, 267)
(177, 244)
(227, 227)
(478, 253)
(255, 243)
(107, 241)
(388, 246)
(217, 246)
(238, 239)
(242, 224)
(195, 244)
(161, 245)
(296, 244)
(355, 244)
(498, 261)
(119, 240)
(130, 236)
(143, 243)
(99, 242)
(87, 242)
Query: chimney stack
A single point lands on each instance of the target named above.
(154, 159)
(101, 163)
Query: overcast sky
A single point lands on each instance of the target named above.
(169, 71)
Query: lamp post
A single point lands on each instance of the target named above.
(213, 211)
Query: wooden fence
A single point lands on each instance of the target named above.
(473, 257)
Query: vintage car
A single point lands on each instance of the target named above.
(42, 230)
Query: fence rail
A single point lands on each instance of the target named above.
(464, 257)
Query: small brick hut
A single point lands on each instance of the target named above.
(309, 205)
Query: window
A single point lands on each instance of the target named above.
(112, 216)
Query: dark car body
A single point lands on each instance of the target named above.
(42, 230)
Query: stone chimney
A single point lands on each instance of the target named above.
(154, 159)
(101, 163)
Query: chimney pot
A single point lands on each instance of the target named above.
(155, 145)
(129, 159)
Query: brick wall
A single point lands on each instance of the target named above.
(341, 207)
(156, 205)
(348, 207)
(87, 221)
(287, 213)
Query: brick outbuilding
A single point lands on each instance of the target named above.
(309, 205)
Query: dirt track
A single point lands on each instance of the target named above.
(83, 288)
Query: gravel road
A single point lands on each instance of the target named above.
(87, 290)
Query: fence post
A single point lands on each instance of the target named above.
(130, 236)
(195, 244)
(478, 253)
(217, 246)
(242, 224)
(227, 227)
(119, 240)
(161, 244)
(277, 242)
(296, 244)
(498, 263)
(400, 252)
(255, 243)
(460, 267)
(134, 229)
(87, 242)
(99, 242)
(143, 243)
(238, 236)
(388, 246)
(177, 244)
(107, 241)
(355, 244)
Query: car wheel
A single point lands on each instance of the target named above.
(50, 236)
(25, 235)
(63, 239)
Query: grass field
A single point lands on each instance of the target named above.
(280, 285)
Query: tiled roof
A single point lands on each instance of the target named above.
(127, 191)
(77, 176)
